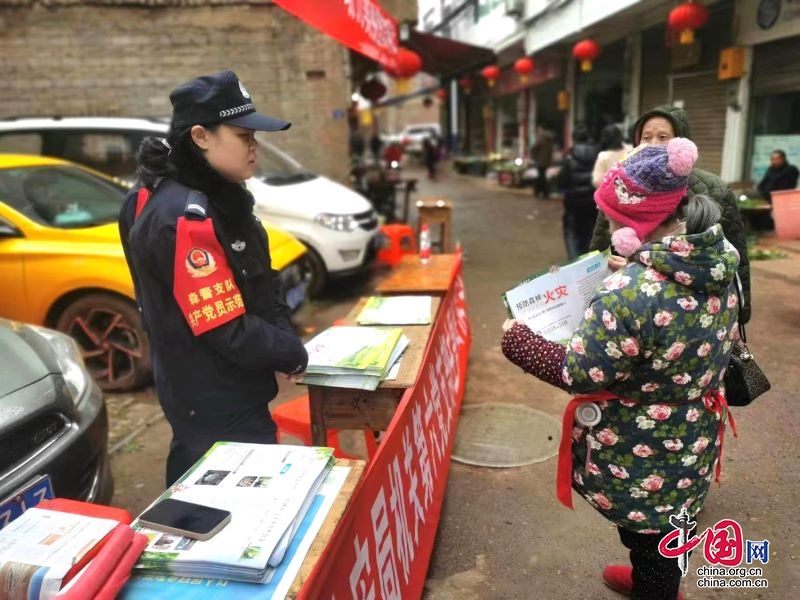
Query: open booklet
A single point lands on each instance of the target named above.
(553, 303)
(267, 489)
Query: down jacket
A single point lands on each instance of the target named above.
(658, 335)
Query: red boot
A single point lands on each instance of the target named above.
(620, 579)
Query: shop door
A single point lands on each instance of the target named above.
(704, 97)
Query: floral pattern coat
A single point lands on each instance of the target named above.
(658, 335)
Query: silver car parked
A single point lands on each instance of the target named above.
(53, 422)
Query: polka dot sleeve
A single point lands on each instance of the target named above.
(534, 354)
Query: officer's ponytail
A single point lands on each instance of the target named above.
(169, 157)
(154, 158)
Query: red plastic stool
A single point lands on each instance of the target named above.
(294, 418)
(398, 239)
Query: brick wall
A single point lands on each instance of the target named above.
(123, 61)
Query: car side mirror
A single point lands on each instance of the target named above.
(7, 230)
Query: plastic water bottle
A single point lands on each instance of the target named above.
(424, 244)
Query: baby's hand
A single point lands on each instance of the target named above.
(616, 262)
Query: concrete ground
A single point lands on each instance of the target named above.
(502, 534)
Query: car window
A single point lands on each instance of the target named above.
(113, 153)
(276, 167)
(61, 196)
(21, 143)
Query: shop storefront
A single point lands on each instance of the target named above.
(518, 103)
(599, 92)
(774, 118)
(686, 76)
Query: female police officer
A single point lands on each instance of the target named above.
(219, 326)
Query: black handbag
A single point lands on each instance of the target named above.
(744, 380)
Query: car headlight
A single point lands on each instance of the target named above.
(336, 222)
(69, 360)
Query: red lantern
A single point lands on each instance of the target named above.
(372, 89)
(466, 84)
(586, 51)
(490, 74)
(441, 94)
(686, 18)
(524, 67)
(408, 63)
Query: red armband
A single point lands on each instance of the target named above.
(204, 286)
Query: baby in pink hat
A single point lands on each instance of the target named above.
(640, 193)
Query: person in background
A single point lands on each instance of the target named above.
(657, 127)
(542, 156)
(780, 175)
(430, 154)
(375, 146)
(575, 183)
(612, 150)
(646, 364)
(357, 145)
(213, 308)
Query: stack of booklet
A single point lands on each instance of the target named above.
(268, 490)
(354, 357)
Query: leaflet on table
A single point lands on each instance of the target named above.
(146, 585)
(55, 541)
(360, 381)
(553, 303)
(396, 310)
(348, 349)
(265, 487)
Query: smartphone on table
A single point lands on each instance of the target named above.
(183, 518)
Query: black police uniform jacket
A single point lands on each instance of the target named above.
(216, 385)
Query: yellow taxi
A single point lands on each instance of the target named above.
(62, 265)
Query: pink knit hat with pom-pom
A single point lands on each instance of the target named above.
(644, 189)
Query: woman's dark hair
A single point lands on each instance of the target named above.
(699, 211)
(611, 138)
(158, 159)
(580, 133)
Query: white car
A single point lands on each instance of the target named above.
(338, 226)
(413, 135)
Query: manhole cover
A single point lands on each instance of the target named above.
(505, 435)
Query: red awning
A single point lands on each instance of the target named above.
(362, 25)
(447, 57)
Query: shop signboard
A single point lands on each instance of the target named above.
(767, 20)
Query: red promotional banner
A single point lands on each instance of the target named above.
(382, 547)
(362, 25)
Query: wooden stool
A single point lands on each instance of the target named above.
(437, 211)
(293, 418)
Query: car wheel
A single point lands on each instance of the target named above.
(111, 338)
(315, 273)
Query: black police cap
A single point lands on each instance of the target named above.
(219, 98)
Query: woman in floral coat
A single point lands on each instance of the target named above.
(651, 352)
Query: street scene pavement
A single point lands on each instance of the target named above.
(503, 534)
